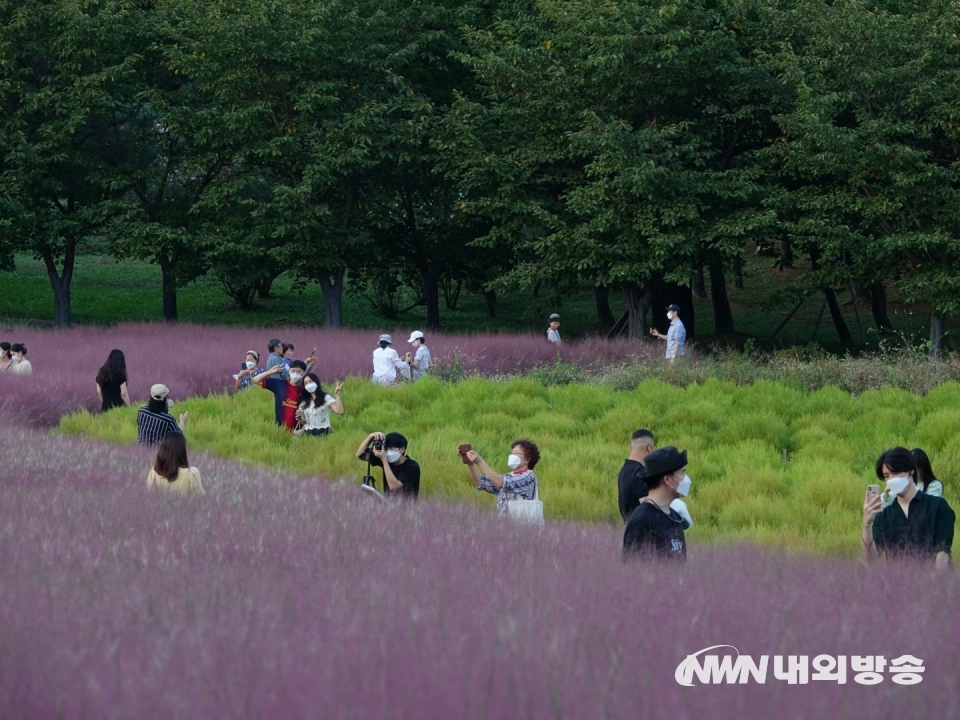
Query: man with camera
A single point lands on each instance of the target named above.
(401, 474)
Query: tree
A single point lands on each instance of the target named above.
(868, 161)
(65, 71)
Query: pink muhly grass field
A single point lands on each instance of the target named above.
(275, 597)
(200, 359)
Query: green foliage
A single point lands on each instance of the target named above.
(743, 491)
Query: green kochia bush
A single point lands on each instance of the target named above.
(743, 489)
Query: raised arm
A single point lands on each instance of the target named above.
(478, 462)
(337, 405)
(362, 450)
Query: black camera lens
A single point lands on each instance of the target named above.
(378, 444)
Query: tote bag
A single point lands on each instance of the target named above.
(528, 511)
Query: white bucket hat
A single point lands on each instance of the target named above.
(387, 339)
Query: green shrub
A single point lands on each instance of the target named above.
(743, 490)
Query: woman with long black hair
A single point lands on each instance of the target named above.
(171, 471)
(112, 382)
(313, 410)
(6, 359)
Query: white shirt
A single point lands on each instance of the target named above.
(423, 359)
(553, 335)
(317, 417)
(386, 362)
(21, 367)
(676, 339)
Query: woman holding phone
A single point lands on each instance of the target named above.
(917, 526)
(518, 484)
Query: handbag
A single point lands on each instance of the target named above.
(527, 511)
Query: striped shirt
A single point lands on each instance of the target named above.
(152, 427)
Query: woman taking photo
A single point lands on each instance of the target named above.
(315, 405)
(171, 471)
(112, 382)
(518, 484)
(249, 370)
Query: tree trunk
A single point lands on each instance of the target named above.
(722, 314)
(638, 302)
(938, 329)
(431, 294)
(697, 284)
(878, 304)
(491, 297)
(331, 285)
(842, 330)
(604, 315)
(786, 253)
(167, 266)
(60, 282)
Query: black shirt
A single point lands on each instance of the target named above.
(926, 531)
(631, 487)
(111, 393)
(653, 534)
(407, 473)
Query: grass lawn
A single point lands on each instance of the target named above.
(106, 291)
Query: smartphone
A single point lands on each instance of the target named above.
(873, 491)
(463, 450)
(314, 353)
(243, 366)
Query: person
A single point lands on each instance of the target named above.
(286, 392)
(553, 331)
(154, 422)
(917, 525)
(20, 364)
(925, 479)
(655, 529)
(519, 483)
(171, 470)
(401, 474)
(420, 362)
(112, 382)
(275, 348)
(386, 362)
(676, 336)
(315, 406)
(249, 370)
(6, 359)
(631, 487)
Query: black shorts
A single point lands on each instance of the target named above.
(317, 431)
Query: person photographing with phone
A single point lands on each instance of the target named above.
(916, 526)
(401, 474)
(518, 484)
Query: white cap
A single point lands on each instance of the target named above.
(415, 335)
(386, 339)
(159, 391)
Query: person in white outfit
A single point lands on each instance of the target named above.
(386, 363)
(420, 362)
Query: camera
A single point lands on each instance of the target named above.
(377, 444)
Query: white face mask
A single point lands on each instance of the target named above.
(393, 456)
(683, 488)
(897, 485)
(669, 316)
(311, 387)
(295, 378)
(514, 461)
(251, 364)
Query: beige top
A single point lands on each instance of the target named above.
(187, 482)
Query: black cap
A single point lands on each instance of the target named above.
(675, 308)
(664, 461)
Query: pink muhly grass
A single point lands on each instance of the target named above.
(281, 597)
(200, 359)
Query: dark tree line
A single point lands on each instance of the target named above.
(415, 151)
